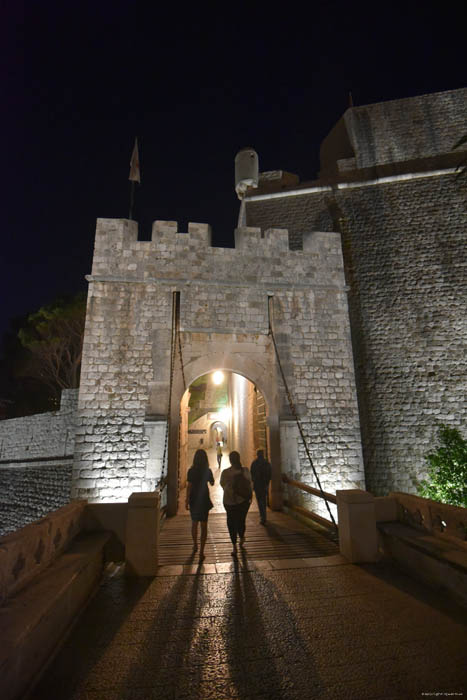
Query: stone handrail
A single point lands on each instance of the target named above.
(27, 552)
(427, 540)
(133, 529)
(439, 519)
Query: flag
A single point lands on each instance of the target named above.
(135, 174)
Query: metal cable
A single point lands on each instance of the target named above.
(181, 356)
(169, 403)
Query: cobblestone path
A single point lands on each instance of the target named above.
(330, 631)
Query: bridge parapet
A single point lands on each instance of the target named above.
(427, 539)
(47, 575)
(50, 568)
(24, 554)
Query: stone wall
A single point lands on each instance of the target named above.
(224, 320)
(41, 435)
(242, 399)
(31, 492)
(154, 433)
(36, 464)
(412, 129)
(298, 214)
(405, 261)
(194, 438)
(259, 422)
(417, 127)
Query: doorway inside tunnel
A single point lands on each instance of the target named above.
(220, 411)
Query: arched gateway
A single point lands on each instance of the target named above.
(260, 373)
(225, 301)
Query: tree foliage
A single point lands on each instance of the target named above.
(447, 469)
(53, 337)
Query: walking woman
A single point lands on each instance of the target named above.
(236, 482)
(198, 499)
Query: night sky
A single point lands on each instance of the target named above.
(81, 80)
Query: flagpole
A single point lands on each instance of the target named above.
(135, 176)
(132, 199)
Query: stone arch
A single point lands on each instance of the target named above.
(232, 362)
(260, 376)
(213, 426)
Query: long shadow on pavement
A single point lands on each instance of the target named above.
(267, 656)
(104, 616)
(161, 665)
(324, 544)
(397, 578)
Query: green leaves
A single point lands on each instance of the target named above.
(447, 470)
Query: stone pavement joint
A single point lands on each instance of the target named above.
(321, 631)
(250, 564)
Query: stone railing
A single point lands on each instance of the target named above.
(439, 519)
(24, 554)
(50, 569)
(426, 539)
(133, 530)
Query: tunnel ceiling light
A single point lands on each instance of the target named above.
(218, 377)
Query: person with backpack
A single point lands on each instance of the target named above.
(261, 475)
(198, 499)
(238, 492)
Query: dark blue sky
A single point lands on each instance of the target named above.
(80, 80)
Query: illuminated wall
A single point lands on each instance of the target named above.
(389, 183)
(242, 397)
(36, 458)
(224, 324)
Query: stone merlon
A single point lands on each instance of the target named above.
(261, 256)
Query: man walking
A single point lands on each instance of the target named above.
(219, 455)
(261, 474)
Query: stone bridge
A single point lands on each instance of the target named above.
(297, 615)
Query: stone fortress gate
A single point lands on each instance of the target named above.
(391, 189)
(222, 301)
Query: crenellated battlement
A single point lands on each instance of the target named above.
(257, 254)
(167, 232)
(225, 299)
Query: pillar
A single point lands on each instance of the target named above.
(142, 534)
(275, 492)
(358, 540)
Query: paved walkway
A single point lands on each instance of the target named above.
(329, 631)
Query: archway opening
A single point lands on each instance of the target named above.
(220, 411)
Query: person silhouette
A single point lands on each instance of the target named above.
(198, 500)
(261, 475)
(236, 482)
(219, 454)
